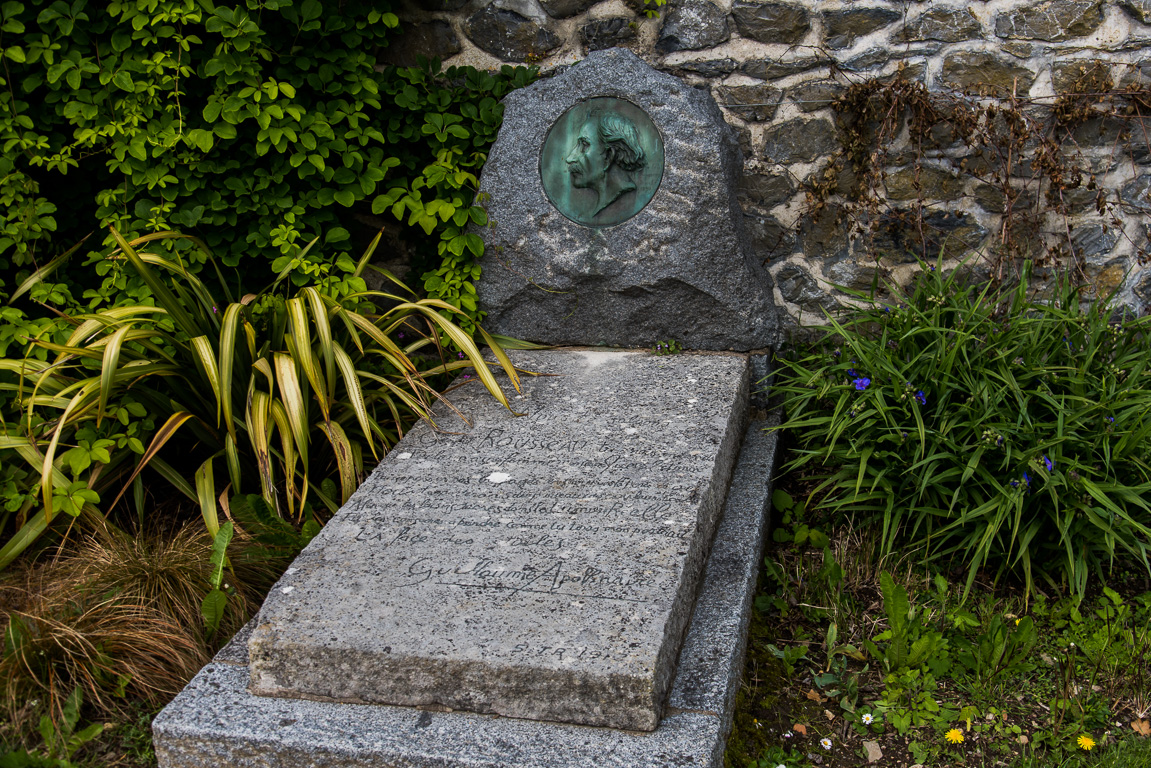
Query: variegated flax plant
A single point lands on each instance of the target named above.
(287, 398)
(985, 430)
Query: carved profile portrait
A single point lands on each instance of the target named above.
(602, 162)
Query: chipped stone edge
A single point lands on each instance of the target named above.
(216, 721)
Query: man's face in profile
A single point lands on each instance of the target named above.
(587, 160)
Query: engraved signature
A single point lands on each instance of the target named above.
(549, 579)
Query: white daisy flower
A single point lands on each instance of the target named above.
(867, 718)
(825, 743)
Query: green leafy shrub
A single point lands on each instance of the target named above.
(258, 125)
(442, 124)
(989, 429)
(248, 384)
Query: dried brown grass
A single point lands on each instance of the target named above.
(118, 616)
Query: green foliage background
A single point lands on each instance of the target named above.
(271, 135)
(256, 126)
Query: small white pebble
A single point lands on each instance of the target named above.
(287, 590)
(630, 431)
(499, 477)
(404, 455)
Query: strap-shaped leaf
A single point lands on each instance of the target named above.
(301, 350)
(48, 269)
(280, 418)
(169, 473)
(227, 360)
(288, 385)
(256, 415)
(206, 495)
(108, 368)
(206, 359)
(232, 454)
(465, 343)
(46, 467)
(363, 324)
(162, 436)
(344, 458)
(505, 361)
(323, 338)
(24, 538)
(355, 394)
(163, 295)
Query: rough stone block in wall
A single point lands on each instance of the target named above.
(1094, 240)
(691, 25)
(1053, 21)
(777, 66)
(814, 95)
(750, 102)
(824, 234)
(777, 69)
(1139, 9)
(985, 73)
(608, 33)
(765, 191)
(509, 36)
(843, 27)
(799, 140)
(927, 182)
(1080, 75)
(561, 9)
(946, 25)
(433, 39)
(771, 22)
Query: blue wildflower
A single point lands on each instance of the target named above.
(922, 398)
(862, 384)
(1014, 483)
(1110, 419)
(1027, 479)
(1050, 464)
(851, 374)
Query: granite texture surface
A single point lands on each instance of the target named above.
(540, 566)
(216, 721)
(681, 268)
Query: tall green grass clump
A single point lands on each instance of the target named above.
(984, 429)
(293, 397)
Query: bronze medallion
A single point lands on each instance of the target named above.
(602, 162)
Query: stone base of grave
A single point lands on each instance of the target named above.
(218, 721)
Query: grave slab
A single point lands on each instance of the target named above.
(540, 566)
(217, 721)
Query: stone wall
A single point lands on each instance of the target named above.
(774, 68)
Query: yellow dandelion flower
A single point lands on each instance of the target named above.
(1086, 742)
(955, 736)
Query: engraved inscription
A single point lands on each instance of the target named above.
(534, 532)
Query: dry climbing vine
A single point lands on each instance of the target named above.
(1036, 162)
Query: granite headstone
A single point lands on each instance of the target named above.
(677, 266)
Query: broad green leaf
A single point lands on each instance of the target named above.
(212, 609)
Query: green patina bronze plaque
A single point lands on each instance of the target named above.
(602, 162)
